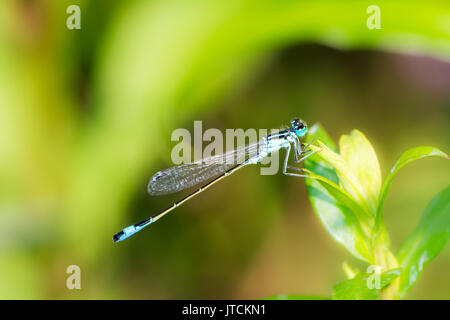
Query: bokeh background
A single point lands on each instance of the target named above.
(86, 117)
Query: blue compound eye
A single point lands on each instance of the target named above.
(301, 132)
(298, 127)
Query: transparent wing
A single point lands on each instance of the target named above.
(188, 175)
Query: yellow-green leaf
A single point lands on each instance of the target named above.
(355, 173)
(334, 207)
(346, 177)
(362, 161)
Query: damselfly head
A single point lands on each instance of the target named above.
(299, 127)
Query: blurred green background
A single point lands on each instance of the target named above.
(86, 117)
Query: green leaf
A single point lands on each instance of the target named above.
(361, 159)
(344, 199)
(426, 241)
(357, 167)
(358, 288)
(406, 157)
(333, 206)
(295, 297)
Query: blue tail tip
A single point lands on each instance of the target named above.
(129, 231)
(125, 233)
(118, 236)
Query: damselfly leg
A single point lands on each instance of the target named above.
(303, 152)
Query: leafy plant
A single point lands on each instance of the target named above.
(347, 193)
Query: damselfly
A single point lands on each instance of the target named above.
(220, 166)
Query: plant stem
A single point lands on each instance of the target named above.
(386, 260)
